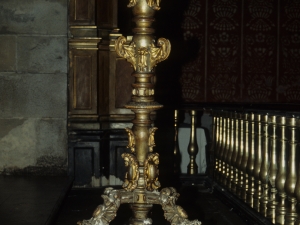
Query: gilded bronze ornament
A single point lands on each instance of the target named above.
(141, 179)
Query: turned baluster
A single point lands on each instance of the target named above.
(228, 152)
(257, 163)
(282, 169)
(238, 158)
(297, 188)
(241, 154)
(291, 179)
(226, 148)
(220, 147)
(176, 144)
(245, 157)
(215, 142)
(263, 174)
(273, 168)
(229, 175)
(193, 146)
(234, 153)
(250, 163)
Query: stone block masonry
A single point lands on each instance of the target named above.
(33, 87)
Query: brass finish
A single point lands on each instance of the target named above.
(251, 161)
(297, 188)
(220, 146)
(141, 181)
(291, 179)
(226, 149)
(176, 144)
(257, 163)
(271, 207)
(235, 157)
(240, 156)
(245, 157)
(263, 174)
(192, 167)
(223, 149)
(228, 168)
(217, 142)
(232, 158)
(282, 170)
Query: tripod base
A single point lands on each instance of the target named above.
(141, 203)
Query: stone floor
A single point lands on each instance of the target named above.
(52, 201)
(199, 203)
(31, 200)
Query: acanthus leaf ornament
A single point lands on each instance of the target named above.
(106, 212)
(132, 175)
(151, 141)
(131, 139)
(151, 172)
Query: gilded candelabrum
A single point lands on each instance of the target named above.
(282, 170)
(291, 179)
(245, 157)
(271, 207)
(240, 157)
(257, 163)
(140, 188)
(251, 161)
(263, 174)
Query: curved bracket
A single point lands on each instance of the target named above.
(132, 174)
(151, 172)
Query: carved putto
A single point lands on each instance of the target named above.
(151, 141)
(151, 172)
(143, 59)
(132, 174)
(131, 139)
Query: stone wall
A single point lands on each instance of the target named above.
(33, 87)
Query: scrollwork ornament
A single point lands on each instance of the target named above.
(175, 214)
(160, 53)
(126, 51)
(152, 172)
(105, 213)
(151, 141)
(131, 139)
(132, 174)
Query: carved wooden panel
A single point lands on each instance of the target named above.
(124, 80)
(83, 78)
(107, 13)
(82, 12)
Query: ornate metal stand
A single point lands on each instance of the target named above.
(141, 180)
